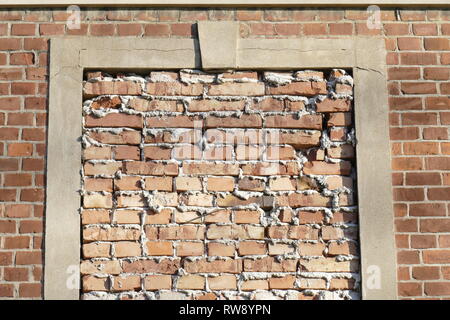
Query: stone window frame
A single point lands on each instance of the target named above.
(71, 56)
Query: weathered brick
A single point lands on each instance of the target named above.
(290, 121)
(237, 89)
(303, 88)
(115, 120)
(244, 121)
(92, 89)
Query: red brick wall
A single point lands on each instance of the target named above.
(418, 58)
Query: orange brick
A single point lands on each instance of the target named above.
(97, 153)
(158, 282)
(116, 120)
(127, 183)
(96, 250)
(190, 249)
(220, 184)
(250, 285)
(126, 283)
(160, 248)
(282, 283)
(220, 249)
(20, 149)
(192, 282)
(224, 282)
(188, 184)
(158, 183)
(92, 89)
(127, 249)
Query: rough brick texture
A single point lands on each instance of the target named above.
(418, 58)
(231, 184)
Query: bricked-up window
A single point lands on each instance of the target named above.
(219, 185)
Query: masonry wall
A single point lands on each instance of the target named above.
(219, 186)
(418, 58)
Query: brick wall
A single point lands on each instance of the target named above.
(216, 185)
(418, 58)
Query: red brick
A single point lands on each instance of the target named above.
(23, 29)
(103, 29)
(16, 274)
(416, 148)
(34, 103)
(408, 194)
(409, 43)
(435, 133)
(408, 257)
(321, 167)
(28, 257)
(445, 29)
(423, 178)
(248, 15)
(35, 44)
(396, 29)
(10, 44)
(409, 289)
(403, 73)
(423, 241)
(33, 134)
(439, 193)
(303, 88)
(425, 29)
(193, 15)
(21, 58)
(129, 29)
(435, 225)
(436, 73)
(16, 242)
(157, 30)
(36, 73)
(17, 179)
(437, 288)
(30, 290)
(32, 195)
(419, 118)
(427, 209)
(182, 29)
(261, 29)
(289, 121)
(418, 87)
(6, 290)
(23, 88)
(445, 88)
(245, 121)
(406, 225)
(438, 103)
(436, 256)
(438, 44)
(288, 29)
(437, 163)
(116, 120)
(341, 28)
(314, 29)
(406, 133)
(418, 58)
(51, 29)
(31, 226)
(92, 89)
(337, 105)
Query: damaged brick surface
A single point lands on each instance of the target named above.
(236, 185)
